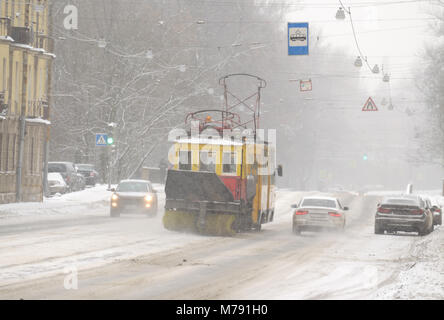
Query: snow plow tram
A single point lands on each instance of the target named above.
(217, 185)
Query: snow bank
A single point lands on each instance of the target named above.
(422, 276)
(72, 203)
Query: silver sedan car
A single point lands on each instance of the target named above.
(317, 213)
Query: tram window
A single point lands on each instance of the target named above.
(264, 180)
(273, 179)
(229, 162)
(207, 162)
(185, 160)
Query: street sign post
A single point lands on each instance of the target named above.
(298, 38)
(101, 140)
(370, 105)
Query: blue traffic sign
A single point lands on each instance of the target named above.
(298, 35)
(101, 140)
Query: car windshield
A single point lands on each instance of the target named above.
(133, 187)
(327, 203)
(405, 202)
(56, 167)
(85, 167)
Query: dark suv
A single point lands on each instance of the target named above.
(404, 213)
(68, 172)
(90, 174)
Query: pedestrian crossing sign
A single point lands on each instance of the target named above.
(101, 140)
(370, 105)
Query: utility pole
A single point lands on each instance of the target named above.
(22, 131)
(51, 49)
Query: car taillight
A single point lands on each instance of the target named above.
(383, 210)
(334, 214)
(417, 211)
(91, 174)
(300, 213)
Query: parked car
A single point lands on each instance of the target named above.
(68, 172)
(315, 213)
(134, 196)
(81, 182)
(90, 174)
(403, 213)
(56, 183)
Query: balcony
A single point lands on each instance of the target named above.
(22, 35)
(5, 27)
(44, 42)
(38, 109)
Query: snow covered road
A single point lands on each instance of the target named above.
(133, 257)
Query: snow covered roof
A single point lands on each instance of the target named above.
(134, 180)
(320, 198)
(223, 142)
(31, 48)
(6, 38)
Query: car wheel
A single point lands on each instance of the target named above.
(114, 213)
(296, 230)
(152, 213)
(424, 231)
(438, 221)
(431, 228)
(378, 229)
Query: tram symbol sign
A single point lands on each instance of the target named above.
(298, 36)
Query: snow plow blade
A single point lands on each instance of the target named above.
(199, 202)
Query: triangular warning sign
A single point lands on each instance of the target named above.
(370, 105)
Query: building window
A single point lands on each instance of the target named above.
(17, 88)
(4, 76)
(31, 157)
(7, 153)
(14, 145)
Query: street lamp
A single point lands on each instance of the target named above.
(340, 14)
(375, 69)
(101, 43)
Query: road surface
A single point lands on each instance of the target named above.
(133, 257)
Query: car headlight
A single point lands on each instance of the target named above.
(148, 198)
(115, 197)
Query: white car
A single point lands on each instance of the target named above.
(56, 183)
(317, 213)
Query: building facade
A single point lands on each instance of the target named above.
(25, 76)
